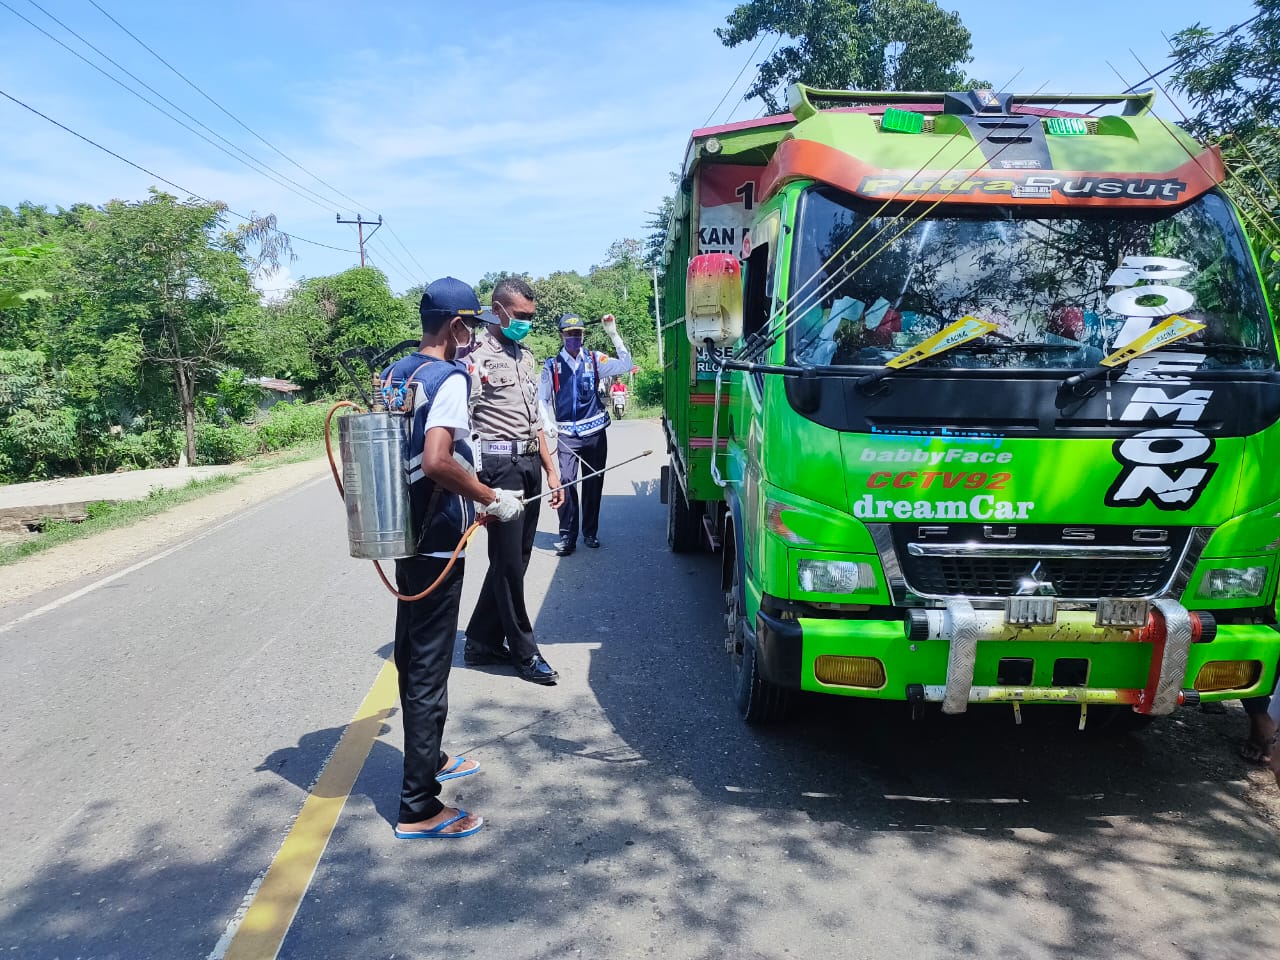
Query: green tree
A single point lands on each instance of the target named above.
(484, 286)
(1232, 83)
(852, 44)
(165, 289)
(37, 425)
(325, 316)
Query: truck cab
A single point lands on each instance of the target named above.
(996, 418)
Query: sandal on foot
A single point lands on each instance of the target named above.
(1256, 753)
(437, 832)
(454, 770)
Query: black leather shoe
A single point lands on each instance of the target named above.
(563, 548)
(537, 670)
(591, 542)
(479, 657)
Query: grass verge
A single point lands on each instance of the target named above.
(108, 516)
(111, 515)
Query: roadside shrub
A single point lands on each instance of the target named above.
(227, 444)
(290, 423)
(648, 388)
(150, 448)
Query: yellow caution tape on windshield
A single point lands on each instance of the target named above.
(962, 331)
(1165, 332)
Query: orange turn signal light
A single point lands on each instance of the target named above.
(1228, 675)
(866, 672)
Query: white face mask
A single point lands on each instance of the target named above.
(462, 349)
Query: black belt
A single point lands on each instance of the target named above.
(511, 448)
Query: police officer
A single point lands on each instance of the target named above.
(571, 388)
(513, 455)
(438, 460)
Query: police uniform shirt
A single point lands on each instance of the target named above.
(504, 389)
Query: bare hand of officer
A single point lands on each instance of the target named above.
(506, 506)
(557, 496)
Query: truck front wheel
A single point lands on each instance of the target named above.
(684, 522)
(759, 701)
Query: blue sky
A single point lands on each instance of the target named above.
(491, 136)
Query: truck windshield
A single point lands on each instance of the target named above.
(1063, 285)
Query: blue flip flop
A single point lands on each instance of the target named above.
(452, 772)
(437, 831)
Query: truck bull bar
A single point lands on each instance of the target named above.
(1170, 630)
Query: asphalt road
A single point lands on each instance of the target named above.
(161, 732)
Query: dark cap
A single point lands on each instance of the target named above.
(450, 297)
(571, 321)
(488, 316)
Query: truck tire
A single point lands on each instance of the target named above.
(684, 522)
(760, 702)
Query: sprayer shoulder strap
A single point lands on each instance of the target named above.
(432, 375)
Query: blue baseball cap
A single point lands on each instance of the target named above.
(571, 321)
(450, 297)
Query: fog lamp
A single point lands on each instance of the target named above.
(1234, 583)
(835, 576)
(1228, 675)
(867, 672)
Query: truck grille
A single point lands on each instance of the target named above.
(964, 565)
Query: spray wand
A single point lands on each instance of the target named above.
(588, 476)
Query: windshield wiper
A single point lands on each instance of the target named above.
(1020, 347)
(1170, 330)
(1229, 348)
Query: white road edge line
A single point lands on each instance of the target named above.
(77, 594)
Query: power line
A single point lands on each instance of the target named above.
(310, 195)
(393, 233)
(1206, 45)
(776, 41)
(198, 90)
(396, 262)
(750, 57)
(152, 173)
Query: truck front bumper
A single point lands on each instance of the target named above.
(967, 657)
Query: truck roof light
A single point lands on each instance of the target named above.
(902, 121)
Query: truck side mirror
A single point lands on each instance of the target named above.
(713, 299)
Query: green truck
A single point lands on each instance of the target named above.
(976, 395)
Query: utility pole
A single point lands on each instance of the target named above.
(361, 223)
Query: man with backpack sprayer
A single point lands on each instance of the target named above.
(442, 486)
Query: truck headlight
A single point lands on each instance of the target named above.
(835, 576)
(1233, 583)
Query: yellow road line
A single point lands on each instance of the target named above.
(269, 916)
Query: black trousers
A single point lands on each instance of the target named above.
(594, 451)
(425, 632)
(1255, 706)
(500, 612)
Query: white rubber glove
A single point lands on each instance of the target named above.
(505, 507)
(610, 326)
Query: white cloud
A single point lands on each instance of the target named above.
(275, 286)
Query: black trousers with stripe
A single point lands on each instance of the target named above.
(594, 452)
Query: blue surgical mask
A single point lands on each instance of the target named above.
(517, 329)
(573, 345)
